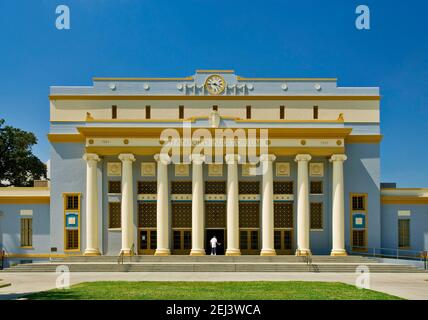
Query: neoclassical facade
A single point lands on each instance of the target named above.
(158, 166)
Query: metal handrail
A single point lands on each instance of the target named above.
(395, 253)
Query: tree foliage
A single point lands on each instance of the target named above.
(19, 167)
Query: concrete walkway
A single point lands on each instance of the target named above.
(408, 286)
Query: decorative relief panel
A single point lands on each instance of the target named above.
(215, 170)
(181, 170)
(114, 169)
(248, 170)
(282, 169)
(148, 169)
(316, 169)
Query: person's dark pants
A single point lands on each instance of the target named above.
(213, 250)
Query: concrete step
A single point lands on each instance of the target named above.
(261, 259)
(214, 267)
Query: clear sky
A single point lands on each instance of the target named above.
(132, 38)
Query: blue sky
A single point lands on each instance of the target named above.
(255, 38)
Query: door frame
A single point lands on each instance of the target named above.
(282, 250)
(223, 243)
(146, 251)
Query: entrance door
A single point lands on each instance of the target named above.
(147, 241)
(283, 241)
(219, 234)
(181, 241)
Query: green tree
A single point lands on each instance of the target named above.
(19, 167)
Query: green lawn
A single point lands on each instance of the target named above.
(289, 290)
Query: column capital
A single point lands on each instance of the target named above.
(91, 157)
(232, 158)
(197, 158)
(163, 158)
(267, 157)
(303, 157)
(126, 157)
(338, 157)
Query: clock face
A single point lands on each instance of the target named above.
(215, 84)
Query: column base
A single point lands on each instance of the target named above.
(303, 252)
(233, 252)
(197, 252)
(268, 252)
(92, 252)
(162, 252)
(338, 253)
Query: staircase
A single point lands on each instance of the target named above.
(216, 264)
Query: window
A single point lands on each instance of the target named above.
(316, 215)
(114, 112)
(72, 221)
(72, 242)
(358, 203)
(215, 108)
(404, 233)
(248, 112)
(114, 209)
(282, 112)
(280, 187)
(72, 202)
(26, 232)
(316, 187)
(181, 112)
(148, 112)
(114, 187)
(315, 112)
(359, 239)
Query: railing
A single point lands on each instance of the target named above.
(392, 253)
(121, 255)
(2, 256)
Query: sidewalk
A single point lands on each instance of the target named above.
(408, 286)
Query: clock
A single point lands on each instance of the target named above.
(215, 84)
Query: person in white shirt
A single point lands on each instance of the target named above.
(214, 244)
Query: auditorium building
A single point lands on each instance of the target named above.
(122, 180)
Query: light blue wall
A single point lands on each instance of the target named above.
(10, 228)
(418, 226)
(362, 175)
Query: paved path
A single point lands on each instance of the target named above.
(409, 286)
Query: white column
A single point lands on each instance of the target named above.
(302, 204)
(232, 206)
(162, 206)
(92, 246)
(267, 209)
(338, 215)
(197, 205)
(127, 206)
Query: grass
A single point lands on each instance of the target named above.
(255, 290)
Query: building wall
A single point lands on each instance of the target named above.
(362, 175)
(10, 228)
(353, 111)
(418, 226)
